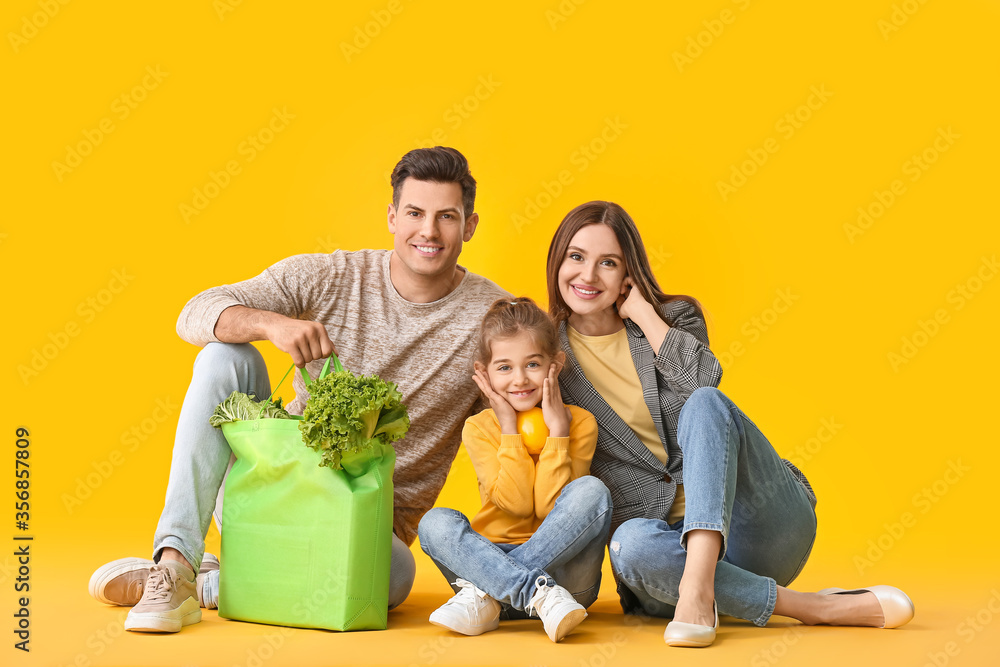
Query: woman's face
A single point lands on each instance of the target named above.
(591, 274)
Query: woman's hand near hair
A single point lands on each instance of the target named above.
(632, 306)
(505, 413)
(555, 414)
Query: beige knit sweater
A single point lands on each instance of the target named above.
(425, 348)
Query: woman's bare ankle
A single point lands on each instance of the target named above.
(695, 603)
(696, 590)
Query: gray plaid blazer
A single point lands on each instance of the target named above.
(640, 485)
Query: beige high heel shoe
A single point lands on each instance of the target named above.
(691, 635)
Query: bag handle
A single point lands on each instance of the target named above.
(337, 366)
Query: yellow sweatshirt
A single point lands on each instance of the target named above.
(518, 490)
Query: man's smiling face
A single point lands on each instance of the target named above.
(429, 227)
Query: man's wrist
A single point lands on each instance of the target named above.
(242, 324)
(264, 321)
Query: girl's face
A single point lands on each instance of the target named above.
(592, 272)
(517, 370)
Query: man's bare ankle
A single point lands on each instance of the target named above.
(175, 555)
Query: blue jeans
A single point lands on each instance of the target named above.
(568, 545)
(201, 460)
(734, 483)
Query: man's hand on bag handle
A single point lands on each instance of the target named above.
(303, 340)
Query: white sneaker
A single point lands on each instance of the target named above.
(470, 612)
(559, 611)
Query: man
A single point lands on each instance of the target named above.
(410, 315)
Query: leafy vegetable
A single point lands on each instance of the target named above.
(243, 407)
(349, 413)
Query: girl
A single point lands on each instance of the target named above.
(544, 520)
(705, 512)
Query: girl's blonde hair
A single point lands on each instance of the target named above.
(508, 317)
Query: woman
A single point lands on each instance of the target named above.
(706, 515)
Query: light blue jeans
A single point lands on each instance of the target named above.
(202, 457)
(734, 483)
(567, 548)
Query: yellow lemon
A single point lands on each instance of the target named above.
(531, 426)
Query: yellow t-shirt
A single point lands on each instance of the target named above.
(607, 363)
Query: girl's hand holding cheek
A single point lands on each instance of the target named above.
(506, 414)
(555, 414)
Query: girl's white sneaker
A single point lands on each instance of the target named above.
(558, 609)
(470, 612)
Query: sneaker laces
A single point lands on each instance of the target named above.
(159, 584)
(545, 597)
(467, 595)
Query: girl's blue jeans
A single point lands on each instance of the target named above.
(736, 484)
(567, 548)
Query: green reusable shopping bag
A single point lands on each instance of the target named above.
(303, 545)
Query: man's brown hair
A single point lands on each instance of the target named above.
(440, 164)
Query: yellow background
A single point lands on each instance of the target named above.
(523, 90)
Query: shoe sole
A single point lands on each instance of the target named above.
(116, 568)
(687, 643)
(468, 632)
(188, 613)
(568, 623)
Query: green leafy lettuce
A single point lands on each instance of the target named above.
(349, 413)
(243, 407)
